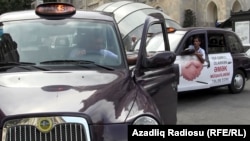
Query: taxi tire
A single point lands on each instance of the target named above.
(238, 77)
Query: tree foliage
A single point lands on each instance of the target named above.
(15, 5)
(190, 19)
(49, 0)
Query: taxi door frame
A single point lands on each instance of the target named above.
(159, 82)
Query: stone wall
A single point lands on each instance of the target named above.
(206, 11)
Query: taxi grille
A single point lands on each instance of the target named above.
(71, 127)
(60, 132)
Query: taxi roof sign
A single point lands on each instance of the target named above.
(55, 9)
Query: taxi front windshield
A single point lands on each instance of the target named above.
(39, 41)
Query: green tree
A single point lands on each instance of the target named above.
(190, 19)
(14, 5)
(49, 1)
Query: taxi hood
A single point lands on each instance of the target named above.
(91, 92)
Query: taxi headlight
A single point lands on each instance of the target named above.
(145, 120)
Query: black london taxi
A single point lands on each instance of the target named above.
(64, 76)
(226, 63)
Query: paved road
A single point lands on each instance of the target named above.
(216, 106)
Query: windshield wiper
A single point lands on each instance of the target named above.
(23, 65)
(65, 61)
(81, 63)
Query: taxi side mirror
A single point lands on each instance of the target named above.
(161, 59)
(187, 51)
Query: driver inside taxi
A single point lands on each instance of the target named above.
(94, 45)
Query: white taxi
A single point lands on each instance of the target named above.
(226, 63)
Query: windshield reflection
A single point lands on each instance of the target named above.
(37, 41)
(156, 42)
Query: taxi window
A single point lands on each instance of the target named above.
(216, 43)
(190, 41)
(45, 40)
(1, 33)
(156, 43)
(234, 44)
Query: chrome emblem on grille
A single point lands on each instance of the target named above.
(44, 124)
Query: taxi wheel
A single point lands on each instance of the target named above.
(238, 82)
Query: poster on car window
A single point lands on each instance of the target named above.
(221, 71)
